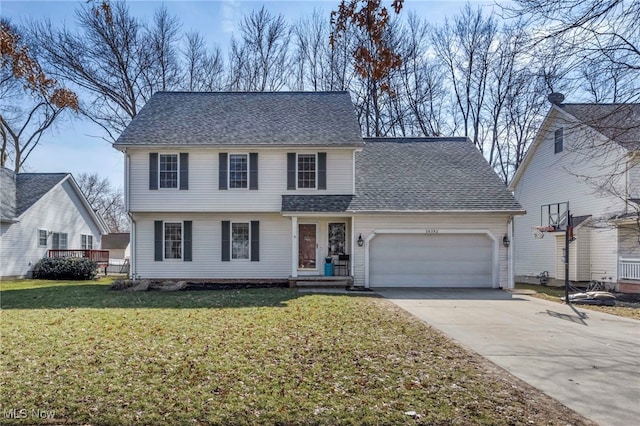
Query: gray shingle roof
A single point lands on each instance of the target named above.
(118, 240)
(427, 174)
(316, 203)
(618, 122)
(30, 187)
(253, 118)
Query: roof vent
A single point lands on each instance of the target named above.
(556, 98)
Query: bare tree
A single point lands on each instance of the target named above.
(31, 101)
(106, 58)
(465, 47)
(162, 38)
(259, 61)
(203, 70)
(105, 200)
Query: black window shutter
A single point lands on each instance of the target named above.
(226, 241)
(255, 241)
(184, 170)
(157, 225)
(222, 166)
(186, 240)
(153, 170)
(291, 170)
(322, 170)
(253, 170)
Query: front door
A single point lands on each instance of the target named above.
(307, 246)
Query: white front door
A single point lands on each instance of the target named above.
(307, 246)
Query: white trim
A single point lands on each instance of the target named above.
(229, 154)
(353, 246)
(495, 269)
(177, 187)
(294, 246)
(315, 155)
(507, 212)
(46, 238)
(510, 250)
(164, 242)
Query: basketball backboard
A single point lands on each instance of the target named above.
(555, 214)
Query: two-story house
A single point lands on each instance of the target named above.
(265, 186)
(584, 158)
(44, 214)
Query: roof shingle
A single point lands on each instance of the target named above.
(618, 122)
(30, 187)
(252, 118)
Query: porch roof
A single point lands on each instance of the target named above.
(316, 203)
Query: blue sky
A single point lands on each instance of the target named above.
(75, 145)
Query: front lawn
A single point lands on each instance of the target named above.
(85, 355)
(627, 310)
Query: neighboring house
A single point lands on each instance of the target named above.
(257, 186)
(117, 243)
(43, 214)
(586, 155)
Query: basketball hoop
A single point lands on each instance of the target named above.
(538, 231)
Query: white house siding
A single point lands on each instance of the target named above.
(203, 193)
(60, 210)
(496, 224)
(604, 253)
(546, 179)
(633, 176)
(629, 242)
(275, 248)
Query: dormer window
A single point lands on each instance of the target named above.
(558, 141)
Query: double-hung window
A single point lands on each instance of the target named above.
(86, 242)
(238, 170)
(168, 170)
(240, 241)
(59, 241)
(42, 237)
(173, 240)
(306, 170)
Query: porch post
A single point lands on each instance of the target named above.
(294, 246)
(353, 247)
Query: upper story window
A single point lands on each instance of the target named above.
(238, 170)
(558, 145)
(306, 170)
(86, 242)
(59, 241)
(173, 240)
(42, 237)
(168, 170)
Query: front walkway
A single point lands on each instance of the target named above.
(587, 360)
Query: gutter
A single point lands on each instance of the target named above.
(132, 222)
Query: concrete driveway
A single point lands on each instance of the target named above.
(587, 360)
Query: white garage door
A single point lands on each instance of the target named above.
(430, 260)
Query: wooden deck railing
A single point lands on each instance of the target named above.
(630, 269)
(100, 256)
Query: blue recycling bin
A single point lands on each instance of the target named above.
(328, 266)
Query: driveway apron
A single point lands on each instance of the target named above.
(587, 360)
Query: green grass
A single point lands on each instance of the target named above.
(263, 356)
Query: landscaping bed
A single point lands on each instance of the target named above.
(87, 355)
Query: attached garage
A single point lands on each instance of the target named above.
(431, 260)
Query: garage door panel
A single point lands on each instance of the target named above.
(441, 260)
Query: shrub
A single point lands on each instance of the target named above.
(65, 268)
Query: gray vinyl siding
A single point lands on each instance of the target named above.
(204, 193)
(60, 210)
(275, 248)
(495, 223)
(545, 180)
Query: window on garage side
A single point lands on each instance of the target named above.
(42, 237)
(59, 240)
(86, 242)
(558, 141)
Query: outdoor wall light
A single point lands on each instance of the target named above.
(505, 241)
(360, 240)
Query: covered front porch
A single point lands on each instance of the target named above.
(322, 240)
